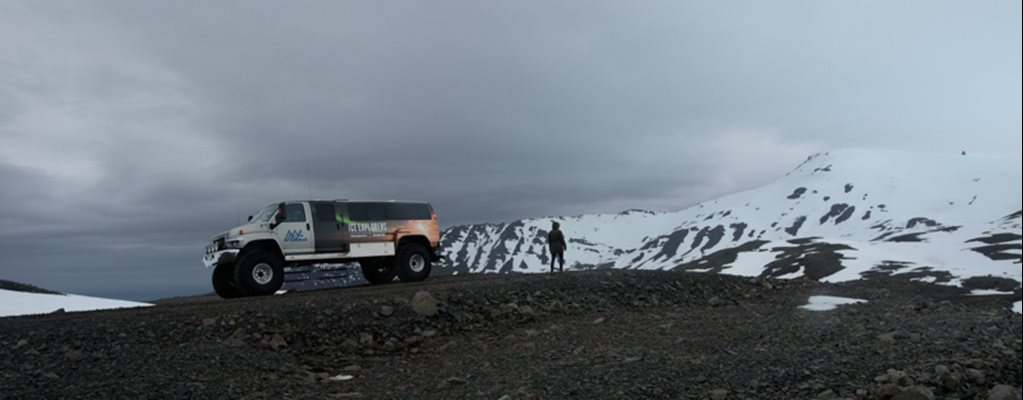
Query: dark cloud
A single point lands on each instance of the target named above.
(132, 131)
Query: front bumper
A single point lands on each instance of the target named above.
(220, 257)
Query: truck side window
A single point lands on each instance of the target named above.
(402, 211)
(294, 212)
(395, 211)
(323, 212)
(357, 211)
(421, 211)
(375, 212)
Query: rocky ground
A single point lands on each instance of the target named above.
(597, 334)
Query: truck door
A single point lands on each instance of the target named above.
(294, 233)
(329, 227)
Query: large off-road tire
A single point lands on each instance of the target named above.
(378, 271)
(223, 282)
(413, 263)
(259, 273)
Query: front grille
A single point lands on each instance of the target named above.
(216, 246)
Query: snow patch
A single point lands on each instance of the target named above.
(341, 378)
(1017, 307)
(825, 303)
(22, 303)
(987, 292)
(751, 263)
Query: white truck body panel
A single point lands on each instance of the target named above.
(375, 249)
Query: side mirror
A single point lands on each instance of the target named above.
(250, 218)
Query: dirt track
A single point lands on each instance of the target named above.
(599, 334)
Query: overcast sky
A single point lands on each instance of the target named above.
(132, 131)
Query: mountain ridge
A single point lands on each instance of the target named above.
(840, 215)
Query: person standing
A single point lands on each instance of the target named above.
(556, 243)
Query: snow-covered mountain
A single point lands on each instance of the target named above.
(20, 299)
(843, 215)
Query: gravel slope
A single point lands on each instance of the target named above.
(598, 334)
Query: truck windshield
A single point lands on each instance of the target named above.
(264, 215)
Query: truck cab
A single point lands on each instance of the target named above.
(389, 239)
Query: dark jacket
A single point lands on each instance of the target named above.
(556, 240)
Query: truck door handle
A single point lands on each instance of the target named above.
(307, 226)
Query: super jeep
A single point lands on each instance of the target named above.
(387, 238)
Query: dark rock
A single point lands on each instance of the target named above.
(973, 363)
(277, 342)
(1004, 392)
(352, 368)
(424, 304)
(976, 376)
(887, 337)
(899, 377)
(234, 342)
(366, 339)
(74, 355)
(888, 391)
(950, 381)
(915, 393)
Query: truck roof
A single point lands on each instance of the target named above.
(361, 201)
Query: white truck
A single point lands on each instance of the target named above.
(387, 238)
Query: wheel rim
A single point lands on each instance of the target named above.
(262, 273)
(417, 263)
